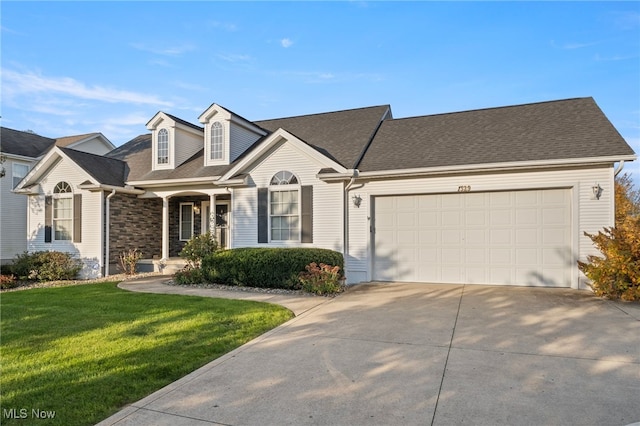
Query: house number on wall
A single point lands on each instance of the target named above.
(464, 188)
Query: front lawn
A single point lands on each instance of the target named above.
(80, 353)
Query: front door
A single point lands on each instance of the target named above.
(221, 232)
(222, 224)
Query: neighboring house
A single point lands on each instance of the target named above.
(492, 196)
(21, 150)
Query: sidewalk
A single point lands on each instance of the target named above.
(298, 304)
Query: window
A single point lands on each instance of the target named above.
(284, 207)
(217, 141)
(19, 171)
(163, 146)
(186, 221)
(62, 212)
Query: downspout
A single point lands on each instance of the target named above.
(619, 168)
(345, 237)
(106, 245)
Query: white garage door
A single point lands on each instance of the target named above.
(516, 238)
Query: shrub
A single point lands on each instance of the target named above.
(7, 281)
(321, 279)
(617, 273)
(128, 261)
(46, 266)
(197, 248)
(265, 267)
(189, 275)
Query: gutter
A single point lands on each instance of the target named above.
(488, 167)
(104, 187)
(618, 169)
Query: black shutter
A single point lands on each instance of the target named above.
(306, 200)
(263, 215)
(77, 218)
(48, 218)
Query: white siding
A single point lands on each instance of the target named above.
(89, 251)
(327, 200)
(186, 144)
(13, 216)
(239, 140)
(92, 146)
(587, 214)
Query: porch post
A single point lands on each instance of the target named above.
(212, 215)
(165, 228)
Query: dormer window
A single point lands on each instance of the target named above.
(217, 141)
(163, 146)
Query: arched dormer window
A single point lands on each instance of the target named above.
(62, 212)
(217, 141)
(163, 146)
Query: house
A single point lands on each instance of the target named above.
(491, 196)
(20, 151)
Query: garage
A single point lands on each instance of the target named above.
(500, 238)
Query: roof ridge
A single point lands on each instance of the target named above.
(324, 113)
(492, 108)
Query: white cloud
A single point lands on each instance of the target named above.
(165, 51)
(285, 42)
(227, 26)
(233, 57)
(19, 83)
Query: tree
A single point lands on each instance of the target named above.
(617, 274)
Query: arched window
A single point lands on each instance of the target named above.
(284, 208)
(62, 212)
(163, 146)
(217, 141)
(284, 178)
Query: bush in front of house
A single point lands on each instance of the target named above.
(7, 282)
(321, 279)
(616, 273)
(128, 260)
(265, 267)
(197, 248)
(45, 266)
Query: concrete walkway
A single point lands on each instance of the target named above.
(418, 354)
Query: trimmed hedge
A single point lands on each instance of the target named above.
(265, 267)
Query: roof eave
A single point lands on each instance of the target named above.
(488, 167)
(172, 182)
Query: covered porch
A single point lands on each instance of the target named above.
(185, 214)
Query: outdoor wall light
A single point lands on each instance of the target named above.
(357, 200)
(597, 191)
(196, 209)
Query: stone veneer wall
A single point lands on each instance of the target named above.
(175, 245)
(135, 223)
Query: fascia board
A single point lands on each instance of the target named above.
(153, 123)
(106, 142)
(214, 109)
(519, 165)
(46, 162)
(172, 182)
(276, 137)
(10, 156)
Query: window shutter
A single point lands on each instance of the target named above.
(263, 215)
(48, 218)
(77, 218)
(306, 200)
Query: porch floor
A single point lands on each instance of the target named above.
(165, 266)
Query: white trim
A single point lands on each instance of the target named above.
(290, 188)
(170, 182)
(181, 237)
(276, 137)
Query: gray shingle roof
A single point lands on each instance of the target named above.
(24, 143)
(109, 171)
(565, 129)
(341, 135)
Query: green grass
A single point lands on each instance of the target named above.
(85, 351)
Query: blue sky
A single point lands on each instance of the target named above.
(79, 67)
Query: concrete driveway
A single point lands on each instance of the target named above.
(422, 354)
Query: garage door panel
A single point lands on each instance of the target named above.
(518, 237)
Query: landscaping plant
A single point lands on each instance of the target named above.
(128, 260)
(321, 279)
(196, 249)
(617, 273)
(45, 266)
